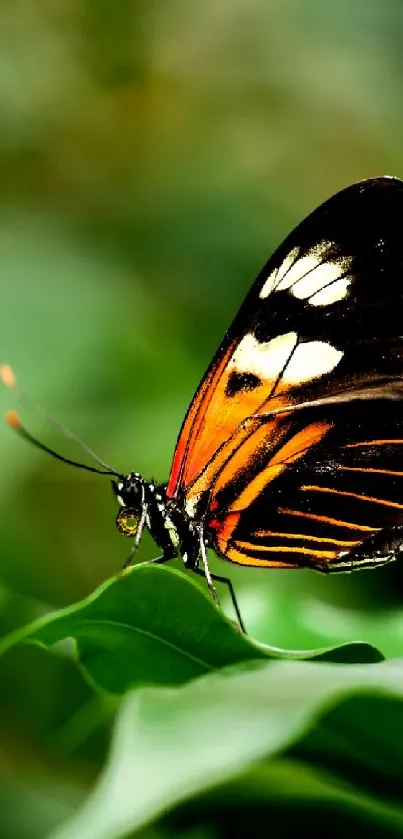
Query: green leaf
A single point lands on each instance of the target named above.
(170, 744)
(156, 626)
(291, 795)
(358, 740)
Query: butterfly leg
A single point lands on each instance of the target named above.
(205, 571)
(209, 577)
(226, 581)
(158, 560)
(129, 559)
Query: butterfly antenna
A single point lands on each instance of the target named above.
(14, 421)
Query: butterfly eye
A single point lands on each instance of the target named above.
(127, 521)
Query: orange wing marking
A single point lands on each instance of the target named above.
(248, 546)
(217, 417)
(242, 559)
(374, 443)
(312, 488)
(228, 453)
(193, 422)
(288, 453)
(247, 450)
(291, 451)
(227, 528)
(233, 451)
(214, 417)
(327, 520)
(263, 533)
(374, 471)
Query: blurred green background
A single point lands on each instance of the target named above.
(152, 155)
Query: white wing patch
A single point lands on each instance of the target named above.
(265, 359)
(277, 275)
(331, 293)
(311, 277)
(297, 363)
(310, 361)
(311, 263)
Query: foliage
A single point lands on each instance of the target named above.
(203, 703)
(151, 157)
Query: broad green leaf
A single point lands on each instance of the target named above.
(156, 626)
(172, 743)
(358, 740)
(291, 795)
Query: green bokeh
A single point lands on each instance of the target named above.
(152, 155)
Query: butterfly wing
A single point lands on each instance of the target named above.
(322, 322)
(332, 506)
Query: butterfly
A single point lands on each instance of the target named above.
(291, 452)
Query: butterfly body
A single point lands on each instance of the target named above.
(143, 504)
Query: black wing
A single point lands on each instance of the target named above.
(321, 485)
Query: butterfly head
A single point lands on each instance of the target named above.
(130, 492)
